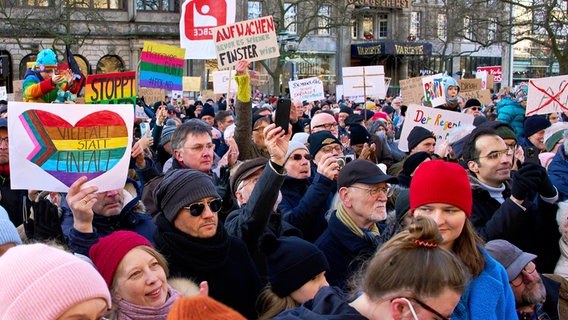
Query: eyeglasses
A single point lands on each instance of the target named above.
(423, 305)
(512, 147)
(326, 126)
(298, 157)
(196, 208)
(388, 191)
(329, 149)
(529, 268)
(497, 154)
(200, 147)
(171, 112)
(4, 140)
(475, 108)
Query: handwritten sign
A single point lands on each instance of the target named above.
(434, 90)
(467, 85)
(439, 121)
(484, 96)
(191, 83)
(140, 113)
(547, 95)
(252, 40)
(161, 66)
(496, 71)
(152, 95)
(221, 81)
(411, 90)
(309, 89)
(483, 76)
(3, 93)
(54, 145)
(364, 81)
(111, 88)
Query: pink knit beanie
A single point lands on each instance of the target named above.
(109, 251)
(42, 282)
(438, 181)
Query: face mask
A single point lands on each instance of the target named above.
(381, 134)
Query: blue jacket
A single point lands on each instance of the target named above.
(511, 112)
(488, 296)
(328, 303)
(304, 204)
(132, 217)
(558, 173)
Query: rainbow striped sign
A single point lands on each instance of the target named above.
(111, 88)
(161, 66)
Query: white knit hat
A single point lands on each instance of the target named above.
(42, 282)
(8, 232)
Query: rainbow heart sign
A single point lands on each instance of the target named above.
(89, 143)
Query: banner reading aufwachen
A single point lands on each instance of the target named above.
(250, 40)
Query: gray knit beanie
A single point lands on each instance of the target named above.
(167, 134)
(293, 146)
(180, 188)
(8, 232)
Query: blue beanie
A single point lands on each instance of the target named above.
(450, 82)
(534, 124)
(8, 232)
(46, 60)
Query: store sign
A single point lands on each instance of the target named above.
(496, 71)
(391, 48)
(381, 3)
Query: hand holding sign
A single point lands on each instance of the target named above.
(81, 200)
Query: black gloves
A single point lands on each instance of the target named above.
(527, 179)
(46, 224)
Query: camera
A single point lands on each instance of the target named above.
(343, 160)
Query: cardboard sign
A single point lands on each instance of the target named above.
(18, 87)
(309, 89)
(411, 90)
(161, 66)
(198, 17)
(152, 95)
(364, 81)
(467, 85)
(111, 88)
(433, 89)
(483, 76)
(3, 93)
(547, 95)
(439, 121)
(207, 94)
(484, 96)
(191, 83)
(139, 112)
(54, 145)
(490, 81)
(252, 40)
(496, 71)
(221, 81)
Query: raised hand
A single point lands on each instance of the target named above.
(276, 141)
(81, 200)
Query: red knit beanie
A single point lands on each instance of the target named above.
(438, 181)
(201, 307)
(109, 251)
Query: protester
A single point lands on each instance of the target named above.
(512, 112)
(9, 236)
(488, 295)
(202, 307)
(419, 139)
(533, 142)
(403, 280)
(42, 282)
(558, 169)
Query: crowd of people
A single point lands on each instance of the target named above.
(225, 215)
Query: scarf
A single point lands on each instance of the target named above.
(371, 235)
(130, 311)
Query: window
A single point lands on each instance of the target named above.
(467, 28)
(368, 25)
(442, 26)
(492, 30)
(415, 24)
(157, 5)
(383, 25)
(324, 13)
(290, 22)
(354, 29)
(254, 9)
(110, 64)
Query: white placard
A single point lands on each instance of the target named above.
(339, 92)
(483, 76)
(3, 93)
(547, 95)
(221, 81)
(309, 89)
(55, 144)
(364, 81)
(434, 89)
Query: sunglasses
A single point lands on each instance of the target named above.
(475, 108)
(298, 157)
(196, 208)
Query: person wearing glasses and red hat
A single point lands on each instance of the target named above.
(196, 244)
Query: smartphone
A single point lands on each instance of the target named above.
(282, 118)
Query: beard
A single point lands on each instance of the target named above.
(533, 294)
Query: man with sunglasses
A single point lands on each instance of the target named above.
(537, 296)
(518, 206)
(473, 107)
(354, 229)
(196, 244)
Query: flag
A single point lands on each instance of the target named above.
(79, 76)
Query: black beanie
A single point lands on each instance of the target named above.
(358, 134)
(320, 139)
(534, 124)
(413, 161)
(472, 103)
(207, 111)
(417, 135)
(180, 188)
(292, 262)
(402, 204)
(345, 109)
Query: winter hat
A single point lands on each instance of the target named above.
(509, 256)
(167, 133)
(345, 109)
(505, 131)
(180, 188)
(358, 134)
(534, 124)
(553, 134)
(293, 146)
(291, 263)
(402, 204)
(320, 139)
(413, 161)
(427, 186)
(109, 251)
(450, 82)
(301, 137)
(42, 282)
(353, 118)
(313, 111)
(472, 103)
(207, 111)
(245, 170)
(46, 60)
(201, 307)
(257, 117)
(545, 158)
(367, 114)
(362, 171)
(8, 232)
(417, 135)
(479, 120)
(380, 115)
(388, 109)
